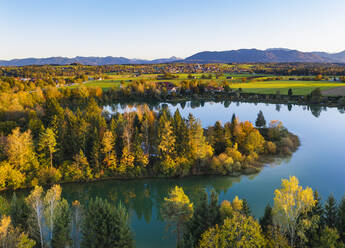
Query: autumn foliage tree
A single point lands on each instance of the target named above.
(177, 209)
(290, 202)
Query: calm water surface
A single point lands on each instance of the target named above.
(318, 163)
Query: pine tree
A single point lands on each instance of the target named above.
(95, 156)
(318, 209)
(267, 219)
(290, 92)
(245, 208)
(218, 139)
(181, 134)
(199, 222)
(105, 225)
(214, 217)
(19, 212)
(317, 214)
(62, 226)
(341, 219)
(260, 120)
(331, 212)
(140, 158)
(233, 124)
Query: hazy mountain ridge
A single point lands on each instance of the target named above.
(271, 55)
(84, 60)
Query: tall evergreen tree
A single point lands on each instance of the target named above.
(341, 219)
(95, 156)
(181, 133)
(105, 225)
(245, 208)
(19, 213)
(214, 217)
(62, 226)
(331, 212)
(317, 215)
(218, 138)
(267, 219)
(199, 222)
(260, 120)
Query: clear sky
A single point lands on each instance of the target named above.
(163, 28)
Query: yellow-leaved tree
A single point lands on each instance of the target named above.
(177, 209)
(237, 231)
(290, 202)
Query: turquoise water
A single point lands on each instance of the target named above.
(319, 163)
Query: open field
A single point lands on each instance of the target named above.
(102, 83)
(337, 91)
(298, 87)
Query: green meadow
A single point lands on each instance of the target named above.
(298, 87)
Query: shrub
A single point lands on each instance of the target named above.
(271, 148)
(49, 175)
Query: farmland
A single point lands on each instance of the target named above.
(298, 87)
(249, 83)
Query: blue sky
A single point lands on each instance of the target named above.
(152, 29)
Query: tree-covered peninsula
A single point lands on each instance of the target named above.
(59, 140)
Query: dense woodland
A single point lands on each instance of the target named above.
(60, 139)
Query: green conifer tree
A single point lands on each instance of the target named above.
(105, 225)
(62, 226)
(267, 219)
(260, 120)
(331, 212)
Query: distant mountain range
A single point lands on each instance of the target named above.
(272, 55)
(84, 60)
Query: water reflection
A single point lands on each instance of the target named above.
(144, 196)
(193, 104)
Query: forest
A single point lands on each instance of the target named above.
(73, 139)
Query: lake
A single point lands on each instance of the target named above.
(319, 163)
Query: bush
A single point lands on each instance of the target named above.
(49, 175)
(222, 164)
(271, 148)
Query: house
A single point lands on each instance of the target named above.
(25, 79)
(170, 87)
(214, 89)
